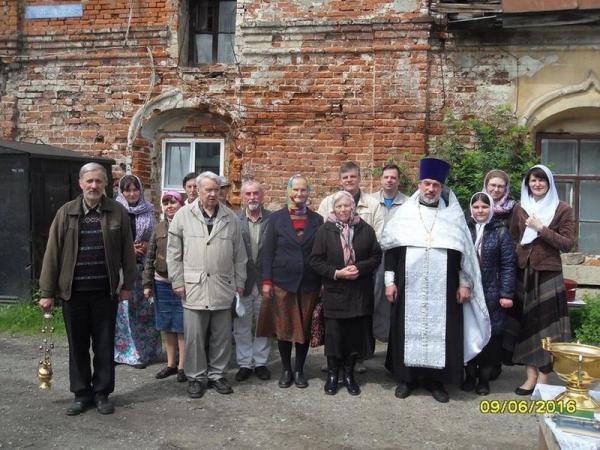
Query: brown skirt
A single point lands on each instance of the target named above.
(287, 315)
(540, 311)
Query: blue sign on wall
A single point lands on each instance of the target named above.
(54, 12)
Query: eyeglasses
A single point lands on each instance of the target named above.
(499, 187)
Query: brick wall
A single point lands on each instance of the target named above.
(316, 85)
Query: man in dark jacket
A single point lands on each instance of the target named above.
(89, 243)
(254, 221)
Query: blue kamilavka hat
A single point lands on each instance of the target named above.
(434, 169)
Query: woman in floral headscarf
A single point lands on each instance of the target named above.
(290, 286)
(136, 339)
(497, 184)
(345, 254)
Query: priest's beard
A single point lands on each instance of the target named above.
(428, 201)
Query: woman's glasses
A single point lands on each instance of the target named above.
(498, 187)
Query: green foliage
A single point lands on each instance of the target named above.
(585, 322)
(475, 146)
(26, 318)
(407, 184)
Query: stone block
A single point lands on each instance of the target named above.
(572, 258)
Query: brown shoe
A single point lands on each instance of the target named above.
(166, 372)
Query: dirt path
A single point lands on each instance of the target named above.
(153, 414)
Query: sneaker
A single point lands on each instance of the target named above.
(166, 372)
(262, 372)
(195, 389)
(181, 376)
(220, 385)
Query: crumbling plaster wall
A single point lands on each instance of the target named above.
(549, 76)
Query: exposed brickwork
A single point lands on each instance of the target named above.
(317, 84)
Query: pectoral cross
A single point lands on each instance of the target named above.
(429, 241)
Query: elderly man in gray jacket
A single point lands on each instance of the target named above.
(206, 258)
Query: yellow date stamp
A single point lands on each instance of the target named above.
(526, 407)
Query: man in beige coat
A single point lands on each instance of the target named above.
(366, 207)
(390, 199)
(206, 258)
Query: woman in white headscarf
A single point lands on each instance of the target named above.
(542, 227)
(496, 255)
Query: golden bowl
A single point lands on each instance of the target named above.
(579, 366)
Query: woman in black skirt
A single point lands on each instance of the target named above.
(345, 254)
(496, 256)
(542, 227)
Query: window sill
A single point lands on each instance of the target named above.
(210, 70)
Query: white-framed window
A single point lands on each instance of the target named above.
(212, 31)
(182, 156)
(575, 161)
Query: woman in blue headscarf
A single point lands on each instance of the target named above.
(290, 285)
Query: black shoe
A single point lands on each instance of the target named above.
(483, 387)
(286, 379)
(140, 366)
(300, 380)
(438, 392)
(103, 405)
(79, 405)
(468, 385)
(181, 376)
(331, 385)
(220, 386)
(243, 374)
(166, 372)
(351, 384)
(521, 391)
(195, 389)
(496, 371)
(402, 390)
(262, 372)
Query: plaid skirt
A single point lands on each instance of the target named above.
(540, 311)
(287, 315)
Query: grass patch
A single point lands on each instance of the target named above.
(26, 318)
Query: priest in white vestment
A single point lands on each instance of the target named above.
(439, 317)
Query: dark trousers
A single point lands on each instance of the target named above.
(91, 315)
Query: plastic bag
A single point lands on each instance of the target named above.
(240, 311)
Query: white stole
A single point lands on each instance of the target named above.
(425, 313)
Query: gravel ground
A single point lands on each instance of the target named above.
(157, 414)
